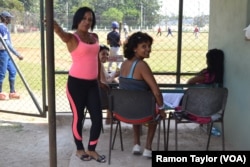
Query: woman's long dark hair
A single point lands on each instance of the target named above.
(215, 64)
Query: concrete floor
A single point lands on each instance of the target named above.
(26, 143)
(191, 137)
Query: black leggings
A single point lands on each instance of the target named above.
(85, 93)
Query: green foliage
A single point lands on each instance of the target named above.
(31, 5)
(129, 11)
(112, 14)
(133, 12)
(12, 4)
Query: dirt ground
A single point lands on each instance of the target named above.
(24, 142)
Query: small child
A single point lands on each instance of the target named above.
(106, 77)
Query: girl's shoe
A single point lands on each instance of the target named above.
(147, 153)
(136, 150)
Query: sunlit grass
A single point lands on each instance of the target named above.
(163, 57)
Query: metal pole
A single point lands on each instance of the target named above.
(43, 63)
(51, 82)
(179, 41)
(67, 15)
(141, 15)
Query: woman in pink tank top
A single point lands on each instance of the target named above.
(83, 80)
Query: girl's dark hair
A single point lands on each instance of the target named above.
(78, 16)
(215, 64)
(102, 47)
(133, 41)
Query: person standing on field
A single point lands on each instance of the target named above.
(169, 32)
(125, 28)
(158, 31)
(5, 60)
(114, 41)
(196, 31)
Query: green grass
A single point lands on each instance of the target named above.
(163, 57)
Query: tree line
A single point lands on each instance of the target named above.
(133, 12)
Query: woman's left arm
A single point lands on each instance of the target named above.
(148, 76)
(196, 79)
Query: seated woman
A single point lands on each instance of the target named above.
(106, 77)
(135, 74)
(214, 71)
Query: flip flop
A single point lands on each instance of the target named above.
(101, 158)
(84, 157)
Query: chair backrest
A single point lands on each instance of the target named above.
(205, 102)
(132, 106)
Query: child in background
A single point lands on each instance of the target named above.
(106, 77)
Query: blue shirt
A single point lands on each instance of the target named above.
(114, 39)
(4, 32)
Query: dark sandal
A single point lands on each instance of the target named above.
(101, 158)
(84, 157)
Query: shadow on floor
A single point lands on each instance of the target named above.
(191, 137)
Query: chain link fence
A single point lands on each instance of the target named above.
(174, 58)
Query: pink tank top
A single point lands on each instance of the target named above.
(84, 61)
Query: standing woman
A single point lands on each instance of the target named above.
(83, 80)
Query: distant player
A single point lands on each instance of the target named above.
(158, 31)
(196, 31)
(114, 41)
(125, 29)
(169, 32)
